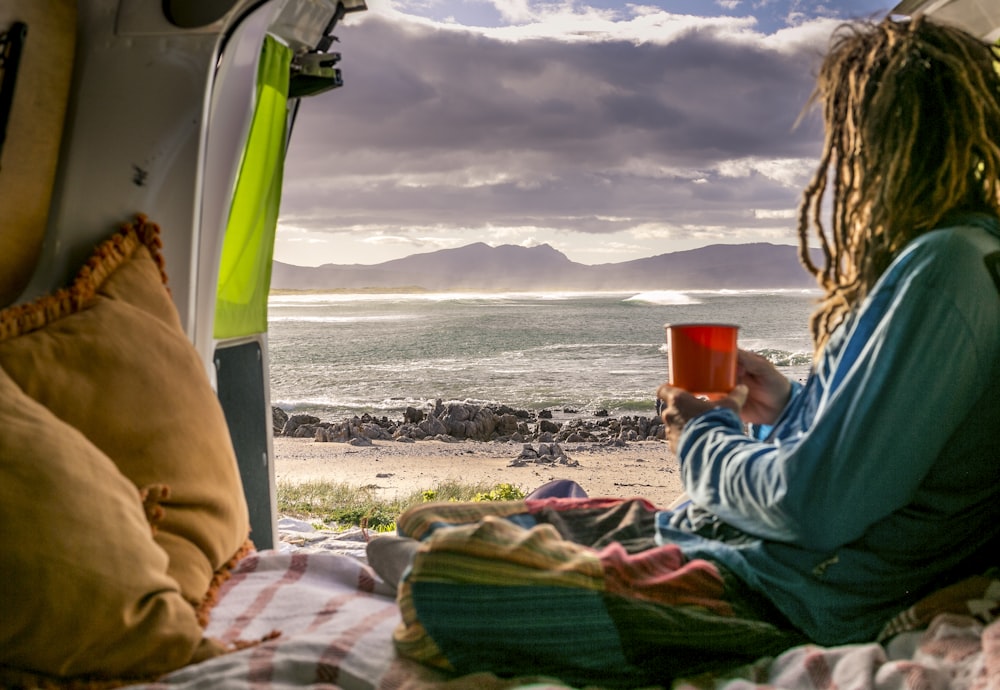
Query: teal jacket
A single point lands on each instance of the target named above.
(880, 482)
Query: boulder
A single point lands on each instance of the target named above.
(467, 421)
(432, 426)
(548, 425)
(278, 419)
(297, 420)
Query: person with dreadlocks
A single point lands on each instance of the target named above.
(850, 497)
(847, 499)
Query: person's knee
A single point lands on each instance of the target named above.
(558, 488)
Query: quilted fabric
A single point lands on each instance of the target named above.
(495, 588)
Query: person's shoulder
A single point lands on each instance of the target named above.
(958, 251)
(974, 232)
(957, 266)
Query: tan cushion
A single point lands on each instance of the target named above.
(85, 588)
(108, 357)
(34, 132)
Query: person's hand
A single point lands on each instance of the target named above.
(768, 390)
(680, 406)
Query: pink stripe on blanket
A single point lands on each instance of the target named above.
(328, 666)
(330, 609)
(243, 570)
(663, 575)
(366, 580)
(296, 569)
(260, 666)
(818, 671)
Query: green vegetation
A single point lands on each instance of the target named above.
(344, 505)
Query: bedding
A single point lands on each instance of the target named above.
(318, 616)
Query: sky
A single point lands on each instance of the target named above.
(609, 130)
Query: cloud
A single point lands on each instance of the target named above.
(569, 122)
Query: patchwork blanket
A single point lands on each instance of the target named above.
(538, 586)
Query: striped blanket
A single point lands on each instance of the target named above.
(321, 620)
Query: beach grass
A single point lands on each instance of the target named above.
(340, 505)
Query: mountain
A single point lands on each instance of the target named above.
(508, 267)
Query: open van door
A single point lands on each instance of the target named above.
(180, 110)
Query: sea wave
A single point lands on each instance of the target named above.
(670, 297)
(324, 298)
(340, 319)
(759, 291)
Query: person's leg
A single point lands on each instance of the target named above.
(558, 488)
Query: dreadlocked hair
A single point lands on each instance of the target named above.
(912, 135)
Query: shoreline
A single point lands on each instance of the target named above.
(644, 469)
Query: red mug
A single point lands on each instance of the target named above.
(701, 357)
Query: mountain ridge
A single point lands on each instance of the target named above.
(758, 265)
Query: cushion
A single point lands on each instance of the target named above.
(85, 588)
(108, 356)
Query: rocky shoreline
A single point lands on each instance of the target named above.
(464, 421)
(479, 444)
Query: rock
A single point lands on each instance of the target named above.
(528, 452)
(470, 421)
(278, 419)
(296, 421)
(546, 425)
(375, 432)
(330, 435)
(432, 426)
(467, 421)
(360, 441)
(545, 454)
(506, 425)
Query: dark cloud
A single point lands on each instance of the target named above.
(545, 132)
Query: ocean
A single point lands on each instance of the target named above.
(335, 355)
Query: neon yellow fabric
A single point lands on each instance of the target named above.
(247, 250)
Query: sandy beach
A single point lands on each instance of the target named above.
(639, 468)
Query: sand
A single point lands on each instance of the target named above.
(642, 468)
